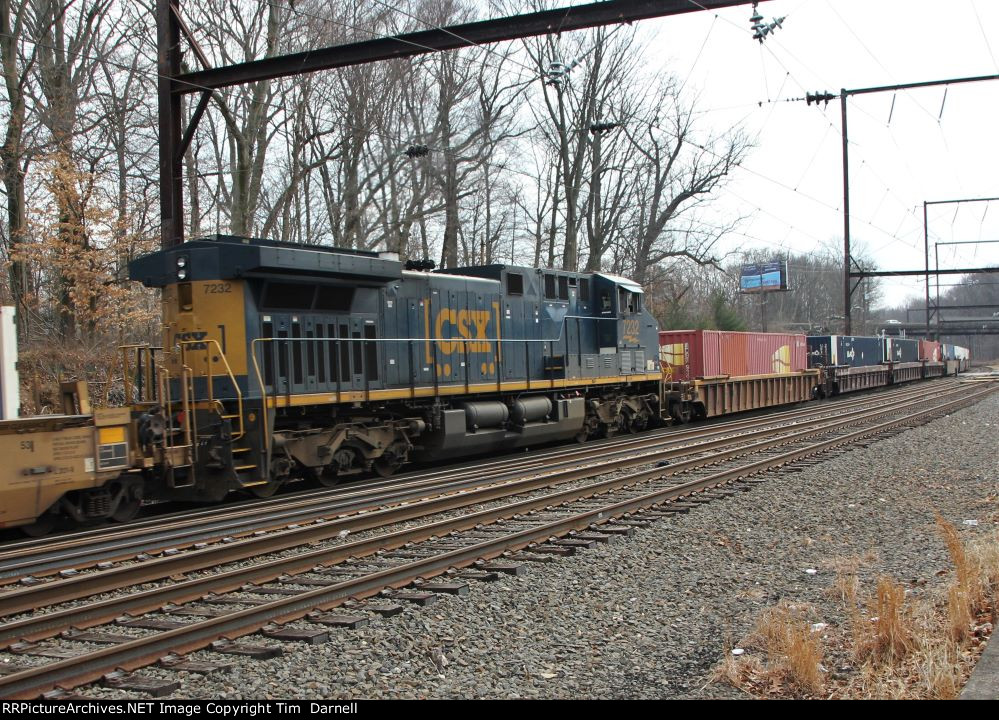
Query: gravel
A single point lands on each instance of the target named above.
(649, 616)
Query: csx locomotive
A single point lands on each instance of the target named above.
(282, 362)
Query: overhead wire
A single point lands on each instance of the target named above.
(533, 177)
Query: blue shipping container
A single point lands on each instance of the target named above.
(849, 350)
(900, 350)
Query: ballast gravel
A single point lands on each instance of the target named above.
(649, 616)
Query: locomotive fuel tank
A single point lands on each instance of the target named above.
(530, 409)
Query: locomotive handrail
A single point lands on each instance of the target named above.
(167, 399)
(210, 376)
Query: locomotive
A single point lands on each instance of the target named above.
(282, 362)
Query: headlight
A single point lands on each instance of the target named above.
(181, 274)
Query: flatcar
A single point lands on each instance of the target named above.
(850, 363)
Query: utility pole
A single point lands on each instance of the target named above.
(847, 259)
(596, 233)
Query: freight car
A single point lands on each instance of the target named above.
(283, 362)
(858, 363)
(707, 373)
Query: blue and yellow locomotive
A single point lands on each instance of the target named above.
(282, 361)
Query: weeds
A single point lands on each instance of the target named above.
(892, 638)
(794, 656)
(894, 644)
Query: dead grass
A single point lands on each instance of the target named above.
(894, 643)
(967, 593)
(888, 635)
(793, 656)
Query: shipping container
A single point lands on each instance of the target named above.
(947, 352)
(843, 350)
(689, 354)
(930, 350)
(900, 350)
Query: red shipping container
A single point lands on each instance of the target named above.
(930, 350)
(690, 354)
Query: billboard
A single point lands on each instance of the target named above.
(763, 277)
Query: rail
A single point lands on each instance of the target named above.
(648, 488)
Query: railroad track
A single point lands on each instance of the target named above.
(31, 560)
(294, 597)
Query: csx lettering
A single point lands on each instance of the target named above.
(185, 338)
(470, 325)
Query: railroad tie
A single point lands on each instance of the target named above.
(309, 636)
(445, 588)
(340, 620)
(257, 652)
(597, 537)
(480, 575)
(94, 636)
(507, 568)
(384, 609)
(157, 687)
(183, 664)
(414, 596)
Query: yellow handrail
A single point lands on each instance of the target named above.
(167, 400)
(209, 375)
(263, 392)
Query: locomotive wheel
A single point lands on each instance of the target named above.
(127, 510)
(40, 527)
(386, 467)
(391, 460)
(265, 490)
(629, 421)
(639, 423)
(591, 428)
(327, 477)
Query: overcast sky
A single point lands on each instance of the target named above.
(791, 185)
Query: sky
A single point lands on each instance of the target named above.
(905, 148)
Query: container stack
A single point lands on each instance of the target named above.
(691, 354)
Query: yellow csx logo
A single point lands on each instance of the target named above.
(470, 324)
(187, 338)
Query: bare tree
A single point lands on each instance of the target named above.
(677, 171)
(16, 62)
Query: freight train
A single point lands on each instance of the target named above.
(283, 362)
